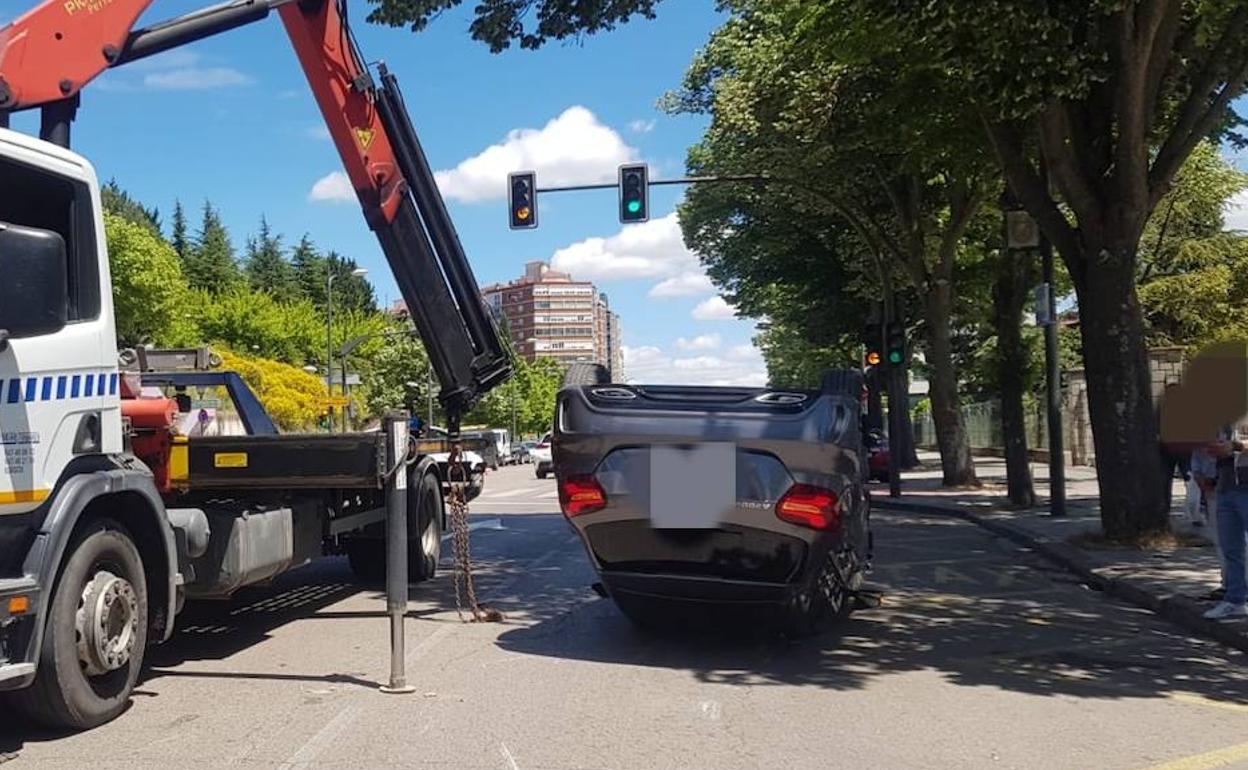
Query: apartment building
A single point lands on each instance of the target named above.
(552, 315)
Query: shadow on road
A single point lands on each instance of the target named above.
(998, 620)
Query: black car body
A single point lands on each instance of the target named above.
(788, 467)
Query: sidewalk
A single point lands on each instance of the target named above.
(1168, 581)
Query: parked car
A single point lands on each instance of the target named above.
(877, 455)
(542, 457)
(523, 452)
(788, 529)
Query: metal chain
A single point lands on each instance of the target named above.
(464, 583)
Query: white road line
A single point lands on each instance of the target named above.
(511, 761)
(551, 495)
(307, 754)
(504, 493)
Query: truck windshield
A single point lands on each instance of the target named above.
(35, 198)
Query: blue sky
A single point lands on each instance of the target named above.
(230, 119)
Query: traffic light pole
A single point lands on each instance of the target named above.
(1053, 371)
(657, 182)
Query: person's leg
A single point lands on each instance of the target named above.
(1191, 503)
(1232, 507)
(1211, 509)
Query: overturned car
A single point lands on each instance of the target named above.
(719, 497)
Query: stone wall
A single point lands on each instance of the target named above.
(1165, 367)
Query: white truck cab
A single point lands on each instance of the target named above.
(72, 502)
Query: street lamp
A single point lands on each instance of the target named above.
(1023, 232)
(358, 272)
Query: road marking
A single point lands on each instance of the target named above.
(1208, 760)
(1200, 700)
(475, 525)
(511, 761)
(505, 493)
(426, 644)
(307, 754)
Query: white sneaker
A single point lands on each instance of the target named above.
(1225, 610)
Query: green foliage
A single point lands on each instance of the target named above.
(531, 392)
(498, 23)
(148, 290)
(209, 265)
(118, 202)
(793, 361)
(177, 236)
(398, 375)
(266, 267)
(243, 319)
(292, 397)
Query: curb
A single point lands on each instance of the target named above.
(1177, 609)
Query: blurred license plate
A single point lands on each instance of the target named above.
(692, 486)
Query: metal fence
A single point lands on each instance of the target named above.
(983, 426)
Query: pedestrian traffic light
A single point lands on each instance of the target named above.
(895, 345)
(872, 339)
(522, 199)
(634, 193)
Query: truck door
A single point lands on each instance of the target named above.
(58, 386)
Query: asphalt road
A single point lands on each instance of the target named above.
(981, 656)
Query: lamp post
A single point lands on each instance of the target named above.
(358, 272)
(1022, 232)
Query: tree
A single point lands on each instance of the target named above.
(351, 292)
(398, 376)
(1107, 100)
(500, 22)
(178, 234)
(266, 267)
(210, 265)
(148, 290)
(118, 202)
(879, 146)
(253, 321)
(310, 269)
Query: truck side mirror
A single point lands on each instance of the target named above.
(34, 294)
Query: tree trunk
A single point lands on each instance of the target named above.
(957, 468)
(1120, 406)
(1014, 273)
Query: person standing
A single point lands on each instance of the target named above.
(1232, 521)
(1204, 472)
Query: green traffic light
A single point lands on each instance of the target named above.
(894, 356)
(634, 207)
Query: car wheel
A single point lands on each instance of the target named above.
(826, 598)
(96, 633)
(541, 472)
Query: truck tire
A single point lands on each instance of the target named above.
(424, 520)
(367, 556)
(586, 374)
(96, 633)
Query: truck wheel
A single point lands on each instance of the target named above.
(424, 521)
(96, 633)
(586, 374)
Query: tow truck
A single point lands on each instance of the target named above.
(109, 518)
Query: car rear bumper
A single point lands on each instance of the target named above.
(731, 564)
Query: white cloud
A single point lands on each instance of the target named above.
(195, 79)
(714, 309)
(700, 342)
(642, 126)
(743, 351)
(653, 249)
(1237, 212)
(649, 365)
(683, 285)
(574, 148)
(334, 187)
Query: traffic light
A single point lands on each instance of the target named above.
(634, 193)
(522, 199)
(895, 345)
(872, 338)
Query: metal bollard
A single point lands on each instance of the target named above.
(396, 432)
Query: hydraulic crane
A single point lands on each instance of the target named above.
(48, 55)
(112, 511)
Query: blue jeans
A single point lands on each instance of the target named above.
(1232, 531)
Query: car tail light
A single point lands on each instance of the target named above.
(810, 506)
(581, 494)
